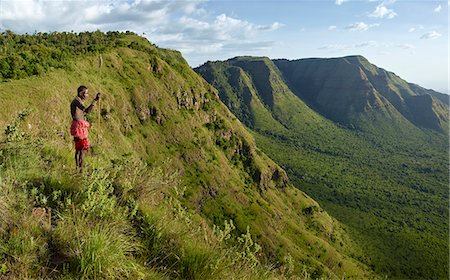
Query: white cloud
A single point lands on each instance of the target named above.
(334, 47)
(272, 27)
(223, 29)
(438, 9)
(194, 23)
(384, 53)
(431, 35)
(405, 46)
(221, 37)
(228, 28)
(332, 27)
(416, 28)
(176, 37)
(381, 11)
(339, 47)
(366, 44)
(340, 2)
(31, 15)
(360, 26)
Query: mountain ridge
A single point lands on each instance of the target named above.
(374, 81)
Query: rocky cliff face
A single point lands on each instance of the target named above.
(342, 87)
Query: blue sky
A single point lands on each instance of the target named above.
(409, 38)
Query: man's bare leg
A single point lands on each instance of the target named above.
(83, 154)
(77, 159)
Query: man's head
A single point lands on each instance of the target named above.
(82, 92)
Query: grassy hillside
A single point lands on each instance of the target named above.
(368, 165)
(176, 189)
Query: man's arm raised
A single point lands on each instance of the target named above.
(90, 107)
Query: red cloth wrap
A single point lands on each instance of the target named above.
(79, 130)
(82, 144)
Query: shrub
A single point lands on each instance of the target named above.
(12, 131)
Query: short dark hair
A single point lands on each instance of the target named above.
(81, 89)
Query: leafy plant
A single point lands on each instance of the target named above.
(12, 131)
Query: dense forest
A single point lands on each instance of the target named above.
(27, 55)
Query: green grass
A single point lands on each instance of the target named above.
(171, 167)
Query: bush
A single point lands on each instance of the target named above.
(12, 131)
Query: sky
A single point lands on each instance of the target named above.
(409, 38)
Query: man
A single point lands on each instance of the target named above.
(79, 127)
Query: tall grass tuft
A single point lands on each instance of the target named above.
(23, 235)
(104, 253)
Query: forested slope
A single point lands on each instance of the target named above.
(352, 136)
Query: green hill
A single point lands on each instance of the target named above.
(177, 188)
(377, 165)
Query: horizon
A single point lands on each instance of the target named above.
(409, 38)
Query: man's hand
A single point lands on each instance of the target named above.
(98, 96)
